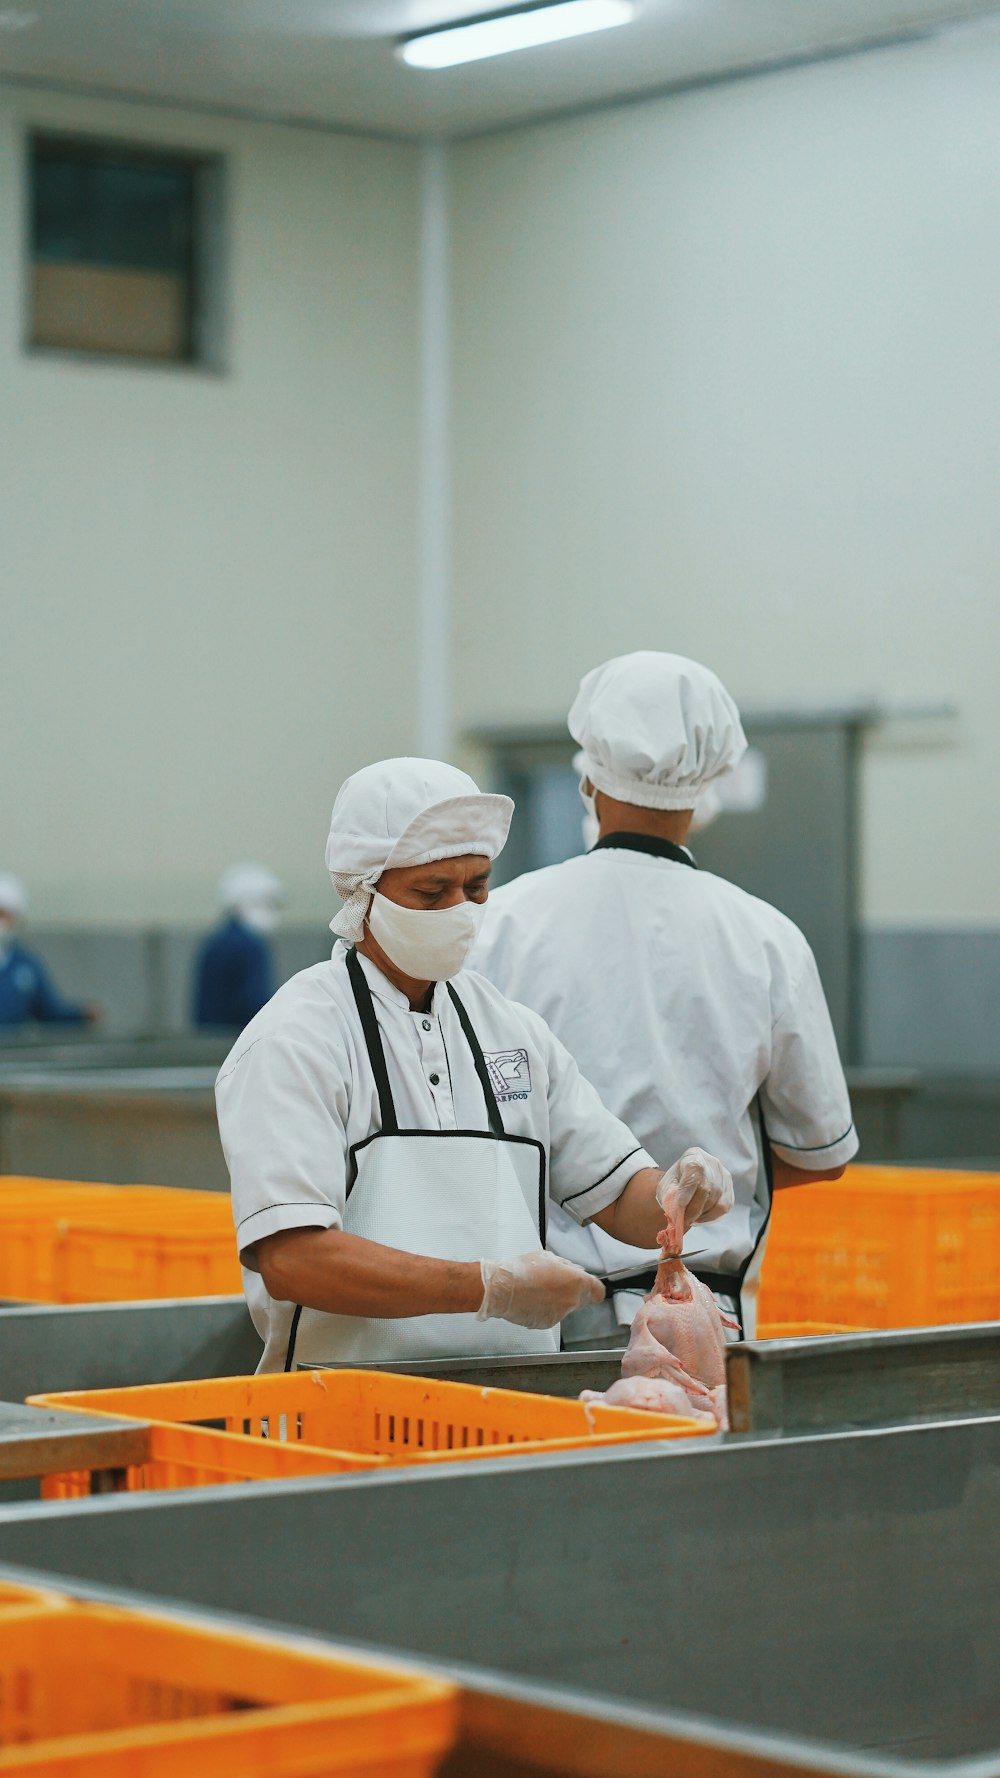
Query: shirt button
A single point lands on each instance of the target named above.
(427, 1024)
(434, 1079)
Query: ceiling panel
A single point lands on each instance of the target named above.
(331, 62)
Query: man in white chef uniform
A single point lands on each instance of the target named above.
(690, 1005)
(398, 1132)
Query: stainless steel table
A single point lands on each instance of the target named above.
(45, 1348)
(36, 1442)
(516, 1729)
(151, 1126)
(859, 1380)
(564, 1373)
(840, 1588)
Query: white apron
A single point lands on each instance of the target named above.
(453, 1194)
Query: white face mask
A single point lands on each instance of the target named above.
(590, 825)
(429, 944)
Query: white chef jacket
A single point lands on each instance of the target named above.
(682, 998)
(297, 1092)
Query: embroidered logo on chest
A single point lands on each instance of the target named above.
(510, 1076)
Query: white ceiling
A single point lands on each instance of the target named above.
(330, 62)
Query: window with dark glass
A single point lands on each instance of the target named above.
(118, 250)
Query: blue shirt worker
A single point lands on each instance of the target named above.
(235, 970)
(26, 993)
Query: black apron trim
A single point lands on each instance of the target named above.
(292, 1332)
(373, 1041)
(492, 1108)
(643, 1281)
(729, 1283)
(721, 1284)
(644, 842)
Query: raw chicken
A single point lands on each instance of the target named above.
(677, 1349)
(647, 1356)
(653, 1393)
(681, 1314)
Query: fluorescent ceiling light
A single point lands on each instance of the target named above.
(524, 29)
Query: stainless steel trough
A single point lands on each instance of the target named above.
(808, 1385)
(840, 1588)
(514, 1729)
(857, 1380)
(45, 1348)
(141, 1125)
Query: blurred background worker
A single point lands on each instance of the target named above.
(234, 975)
(695, 1009)
(26, 992)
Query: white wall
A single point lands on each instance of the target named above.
(207, 582)
(727, 381)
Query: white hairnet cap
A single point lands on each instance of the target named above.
(249, 885)
(405, 811)
(655, 729)
(13, 894)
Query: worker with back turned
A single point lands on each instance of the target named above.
(688, 1003)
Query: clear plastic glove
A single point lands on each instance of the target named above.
(535, 1290)
(698, 1188)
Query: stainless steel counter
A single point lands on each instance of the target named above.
(858, 1380)
(115, 1345)
(512, 1728)
(840, 1587)
(140, 1125)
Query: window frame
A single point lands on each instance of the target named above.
(208, 252)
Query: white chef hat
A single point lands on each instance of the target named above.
(655, 729)
(249, 886)
(405, 811)
(13, 894)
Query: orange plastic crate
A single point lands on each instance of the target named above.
(885, 1247)
(63, 1241)
(94, 1692)
(366, 1419)
(107, 1259)
(29, 1220)
(15, 1598)
(802, 1330)
(183, 1456)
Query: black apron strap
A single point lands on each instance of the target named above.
(637, 1281)
(373, 1040)
(729, 1283)
(492, 1108)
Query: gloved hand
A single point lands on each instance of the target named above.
(535, 1290)
(698, 1188)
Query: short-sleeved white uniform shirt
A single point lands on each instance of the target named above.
(682, 998)
(297, 1093)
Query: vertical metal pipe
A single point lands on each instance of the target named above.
(433, 705)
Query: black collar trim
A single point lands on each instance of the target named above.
(644, 842)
